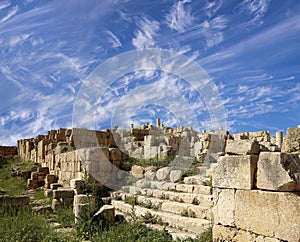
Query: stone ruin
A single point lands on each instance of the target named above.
(255, 177)
(7, 152)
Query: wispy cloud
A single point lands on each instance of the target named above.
(180, 17)
(256, 10)
(14, 40)
(212, 8)
(4, 4)
(210, 32)
(11, 13)
(146, 33)
(12, 116)
(115, 42)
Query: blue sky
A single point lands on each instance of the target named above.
(249, 48)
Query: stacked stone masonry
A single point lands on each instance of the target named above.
(8, 151)
(256, 195)
(253, 181)
(182, 207)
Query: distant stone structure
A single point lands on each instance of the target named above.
(8, 151)
(58, 150)
(255, 177)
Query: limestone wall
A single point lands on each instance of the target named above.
(291, 141)
(260, 136)
(6, 151)
(256, 195)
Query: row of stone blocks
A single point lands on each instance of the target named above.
(41, 178)
(256, 195)
(184, 207)
(82, 203)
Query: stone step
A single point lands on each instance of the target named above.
(184, 209)
(197, 180)
(169, 186)
(193, 225)
(175, 233)
(183, 197)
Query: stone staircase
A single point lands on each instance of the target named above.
(184, 209)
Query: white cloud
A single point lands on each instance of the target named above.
(14, 40)
(180, 17)
(4, 4)
(213, 7)
(10, 14)
(256, 9)
(212, 30)
(146, 33)
(114, 40)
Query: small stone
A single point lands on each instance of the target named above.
(106, 211)
(150, 175)
(137, 171)
(176, 175)
(163, 173)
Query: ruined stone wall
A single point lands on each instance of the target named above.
(260, 136)
(8, 151)
(256, 194)
(291, 141)
(67, 166)
(71, 165)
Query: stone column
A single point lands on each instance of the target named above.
(158, 122)
(279, 138)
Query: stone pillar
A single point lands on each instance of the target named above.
(158, 122)
(279, 138)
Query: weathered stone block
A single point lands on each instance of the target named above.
(44, 170)
(150, 175)
(278, 171)
(175, 175)
(163, 173)
(184, 188)
(272, 214)
(78, 185)
(107, 211)
(235, 172)
(242, 147)
(55, 186)
(85, 199)
(224, 234)
(137, 171)
(193, 180)
(63, 193)
(224, 205)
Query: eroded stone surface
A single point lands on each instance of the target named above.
(268, 213)
(137, 171)
(235, 172)
(242, 147)
(163, 173)
(175, 175)
(224, 206)
(278, 171)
